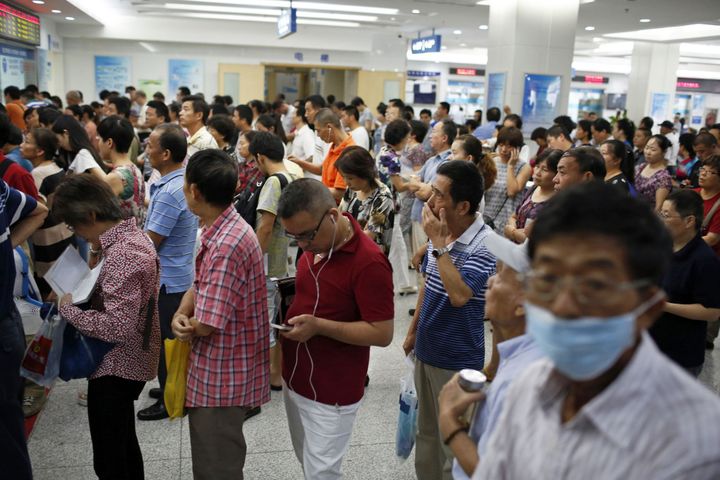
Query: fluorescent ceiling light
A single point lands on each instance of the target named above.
(614, 48)
(483, 27)
(695, 49)
(463, 44)
(148, 47)
(674, 34)
(645, 20)
(55, 11)
(69, 18)
(256, 18)
(269, 11)
(39, 2)
(484, 2)
(589, 28)
(328, 7)
(457, 32)
(416, 11)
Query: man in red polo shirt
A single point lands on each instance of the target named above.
(343, 304)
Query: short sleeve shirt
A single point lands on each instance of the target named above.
(331, 176)
(83, 162)
(277, 265)
(647, 187)
(693, 277)
(169, 216)
(18, 178)
(448, 337)
(714, 224)
(14, 206)
(498, 205)
(231, 366)
(354, 285)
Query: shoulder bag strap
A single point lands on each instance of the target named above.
(708, 217)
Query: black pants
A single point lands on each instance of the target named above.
(116, 451)
(168, 304)
(14, 458)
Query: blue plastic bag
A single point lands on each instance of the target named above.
(407, 417)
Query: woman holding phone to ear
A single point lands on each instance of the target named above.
(502, 199)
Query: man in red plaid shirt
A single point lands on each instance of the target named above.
(225, 316)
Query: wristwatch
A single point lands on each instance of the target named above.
(438, 252)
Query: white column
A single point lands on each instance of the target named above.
(532, 37)
(653, 70)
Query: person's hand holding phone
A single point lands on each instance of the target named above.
(514, 156)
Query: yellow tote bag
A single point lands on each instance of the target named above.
(176, 361)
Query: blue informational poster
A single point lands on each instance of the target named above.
(540, 100)
(111, 73)
(698, 105)
(185, 73)
(17, 66)
(496, 90)
(660, 107)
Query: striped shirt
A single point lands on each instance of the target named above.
(449, 337)
(168, 216)
(654, 421)
(498, 205)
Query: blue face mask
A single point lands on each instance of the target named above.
(584, 348)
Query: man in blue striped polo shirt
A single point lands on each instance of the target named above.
(447, 330)
(172, 228)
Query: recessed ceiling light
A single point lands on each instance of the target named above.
(463, 44)
(483, 27)
(645, 20)
(589, 28)
(392, 19)
(457, 32)
(69, 18)
(39, 2)
(416, 11)
(55, 11)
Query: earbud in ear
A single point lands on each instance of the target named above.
(332, 219)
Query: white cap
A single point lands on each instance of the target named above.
(511, 254)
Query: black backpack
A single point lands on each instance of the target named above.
(246, 202)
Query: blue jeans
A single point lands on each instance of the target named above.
(14, 458)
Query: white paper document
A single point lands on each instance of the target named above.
(71, 274)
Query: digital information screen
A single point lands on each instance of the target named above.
(19, 25)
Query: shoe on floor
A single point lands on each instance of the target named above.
(155, 393)
(408, 291)
(156, 411)
(34, 399)
(82, 397)
(251, 413)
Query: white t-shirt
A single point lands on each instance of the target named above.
(319, 153)
(360, 137)
(287, 119)
(83, 162)
(671, 155)
(303, 146)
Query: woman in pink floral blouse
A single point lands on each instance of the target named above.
(120, 311)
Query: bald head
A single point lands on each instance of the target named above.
(325, 117)
(305, 195)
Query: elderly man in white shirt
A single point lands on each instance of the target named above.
(606, 403)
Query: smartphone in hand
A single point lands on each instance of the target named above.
(284, 328)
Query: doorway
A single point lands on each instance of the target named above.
(299, 82)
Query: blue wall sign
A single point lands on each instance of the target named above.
(426, 44)
(287, 22)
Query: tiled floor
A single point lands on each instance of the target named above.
(60, 444)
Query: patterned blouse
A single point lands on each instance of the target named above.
(375, 214)
(415, 157)
(646, 187)
(132, 197)
(528, 210)
(498, 205)
(388, 164)
(128, 277)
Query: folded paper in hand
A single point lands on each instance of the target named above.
(71, 274)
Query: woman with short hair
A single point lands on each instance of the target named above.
(367, 199)
(121, 311)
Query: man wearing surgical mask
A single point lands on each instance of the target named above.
(606, 404)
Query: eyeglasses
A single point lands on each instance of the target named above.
(665, 216)
(587, 290)
(307, 236)
(707, 171)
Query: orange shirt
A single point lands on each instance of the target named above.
(15, 110)
(330, 175)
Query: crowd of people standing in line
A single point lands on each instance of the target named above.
(594, 259)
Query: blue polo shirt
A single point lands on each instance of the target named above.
(427, 174)
(449, 337)
(485, 131)
(168, 215)
(14, 206)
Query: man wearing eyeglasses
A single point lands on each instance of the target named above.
(343, 305)
(606, 403)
